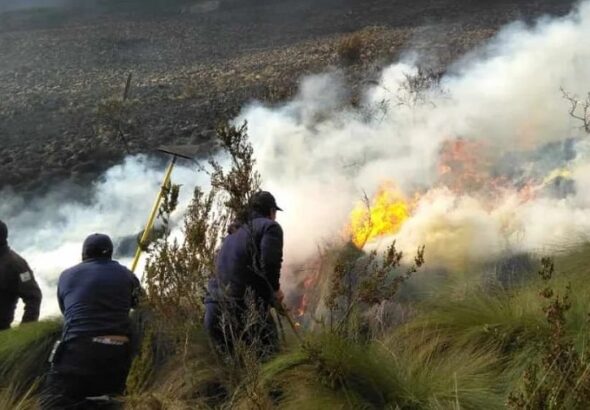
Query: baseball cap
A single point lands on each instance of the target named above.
(264, 200)
(96, 246)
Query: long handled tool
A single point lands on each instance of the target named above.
(282, 310)
(186, 152)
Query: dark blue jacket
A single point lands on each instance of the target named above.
(95, 298)
(17, 281)
(251, 258)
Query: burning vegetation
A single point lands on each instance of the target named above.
(381, 216)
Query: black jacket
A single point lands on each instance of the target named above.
(17, 281)
(251, 257)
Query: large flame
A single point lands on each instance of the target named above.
(384, 215)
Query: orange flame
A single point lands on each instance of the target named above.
(383, 216)
(308, 283)
(463, 165)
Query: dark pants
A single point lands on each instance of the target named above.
(83, 368)
(229, 324)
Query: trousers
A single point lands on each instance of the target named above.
(83, 368)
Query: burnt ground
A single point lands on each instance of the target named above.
(63, 67)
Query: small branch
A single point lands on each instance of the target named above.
(577, 106)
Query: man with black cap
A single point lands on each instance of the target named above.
(16, 281)
(247, 276)
(93, 357)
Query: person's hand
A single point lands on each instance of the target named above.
(279, 296)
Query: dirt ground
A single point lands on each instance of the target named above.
(63, 66)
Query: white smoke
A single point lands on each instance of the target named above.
(48, 231)
(319, 157)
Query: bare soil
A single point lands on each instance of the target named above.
(63, 68)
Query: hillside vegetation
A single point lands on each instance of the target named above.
(472, 344)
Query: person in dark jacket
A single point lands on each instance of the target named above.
(94, 355)
(248, 269)
(16, 282)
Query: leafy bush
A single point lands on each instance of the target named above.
(561, 379)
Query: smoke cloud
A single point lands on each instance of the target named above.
(319, 156)
(48, 231)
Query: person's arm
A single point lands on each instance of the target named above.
(60, 297)
(136, 291)
(29, 292)
(271, 254)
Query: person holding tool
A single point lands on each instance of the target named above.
(16, 282)
(94, 355)
(248, 268)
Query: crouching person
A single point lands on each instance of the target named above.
(94, 355)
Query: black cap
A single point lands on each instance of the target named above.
(263, 200)
(97, 245)
(3, 233)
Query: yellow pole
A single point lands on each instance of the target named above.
(154, 213)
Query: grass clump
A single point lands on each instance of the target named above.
(24, 351)
(350, 49)
(331, 368)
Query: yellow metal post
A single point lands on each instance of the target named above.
(154, 213)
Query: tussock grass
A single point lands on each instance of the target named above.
(330, 369)
(24, 351)
(11, 398)
(507, 319)
(501, 319)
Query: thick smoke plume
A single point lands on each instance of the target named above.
(49, 231)
(318, 155)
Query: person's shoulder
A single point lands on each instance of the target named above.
(268, 226)
(16, 259)
(123, 269)
(73, 269)
(267, 223)
(274, 225)
(116, 265)
(16, 266)
(70, 272)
